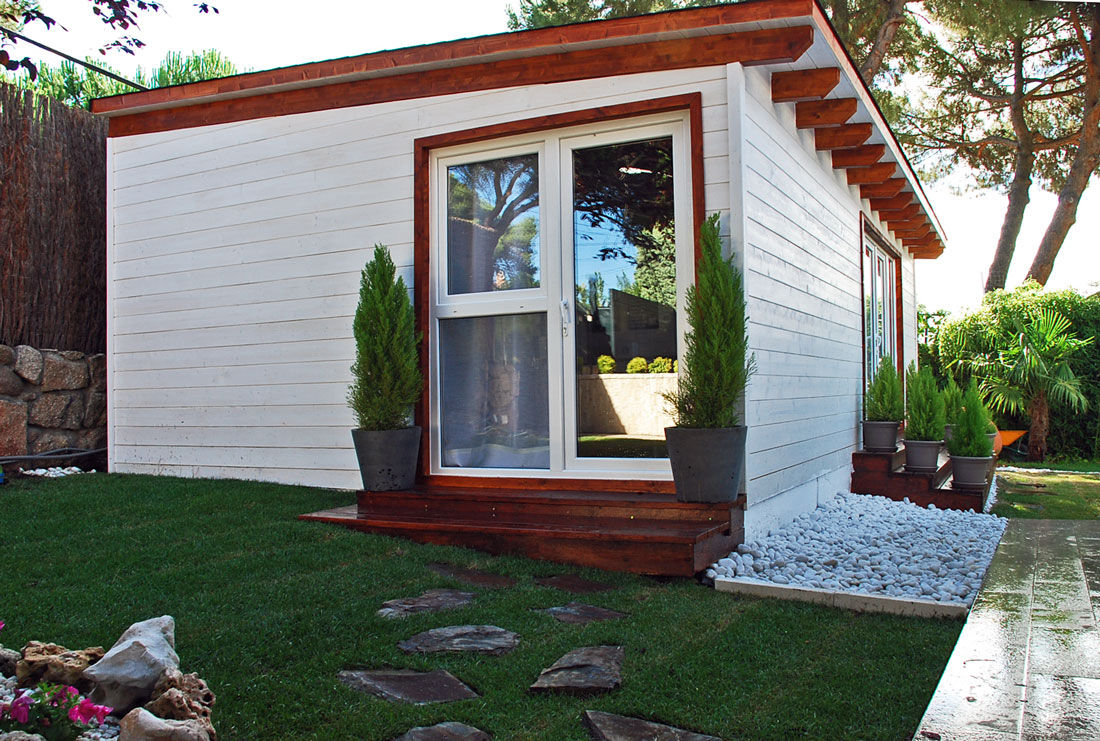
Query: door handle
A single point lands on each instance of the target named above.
(566, 316)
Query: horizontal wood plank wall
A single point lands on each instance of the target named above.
(803, 284)
(235, 263)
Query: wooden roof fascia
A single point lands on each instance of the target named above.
(697, 22)
(878, 173)
(829, 35)
(841, 137)
(781, 44)
(868, 154)
(812, 114)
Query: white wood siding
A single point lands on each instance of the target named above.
(234, 262)
(801, 258)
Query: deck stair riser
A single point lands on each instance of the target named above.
(639, 533)
(884, 474)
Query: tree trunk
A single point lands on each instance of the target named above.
(1085, 161)
(895, 15)
(1039, 411)
(1019, 191)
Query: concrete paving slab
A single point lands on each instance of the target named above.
(1027, 663)
(844, 600)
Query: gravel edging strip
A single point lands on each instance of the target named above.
(844, 600)
(1021, 469)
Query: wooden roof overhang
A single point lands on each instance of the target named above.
(810, 70)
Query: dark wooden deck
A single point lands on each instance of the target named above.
(641, 533)
(884, 474)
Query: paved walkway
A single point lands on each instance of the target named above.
(1027, 664)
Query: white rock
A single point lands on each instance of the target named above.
(126, 675)
(141, 725)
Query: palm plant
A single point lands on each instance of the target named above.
(1032, 373)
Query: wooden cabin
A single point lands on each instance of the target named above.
(541, 192)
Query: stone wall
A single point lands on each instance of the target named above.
(51, 399)
(624, 403)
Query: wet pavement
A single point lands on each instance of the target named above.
(1027, 664)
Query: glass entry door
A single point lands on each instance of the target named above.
(554, 302)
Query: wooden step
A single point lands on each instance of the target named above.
(493, 504)
(884, 474)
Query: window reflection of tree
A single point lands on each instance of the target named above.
(492, 230)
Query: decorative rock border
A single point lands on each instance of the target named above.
(51, 399)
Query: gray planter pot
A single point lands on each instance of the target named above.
(880, 437)
(922, 456)
(387, 458)
(707, 464)
(970, 473)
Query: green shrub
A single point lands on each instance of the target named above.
(386, 378)
(637, 365)
(605, 364)
(970, 437)
(952, 400)
(923, 405)
(717, 363)
(992, 328)
(883, 400)
(661, 365)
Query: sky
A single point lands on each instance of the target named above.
(263, 34)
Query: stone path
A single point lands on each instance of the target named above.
(609, 727)
(482, 639)
(584, 671)
(406, 685)
(431, 601)
(1027, 664)
(578, 613)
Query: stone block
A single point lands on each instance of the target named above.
(93, 439)
(95, 409)
(7, 355)
(28, 363)
(97, 372)
(60, 373)
(13, 428)
(71, 354)
(10, 384)
(59, 409)
(43, 441)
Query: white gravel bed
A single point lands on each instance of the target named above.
(874, 545)
(54, 473)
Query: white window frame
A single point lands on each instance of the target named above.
(879, 279)
(554, 148)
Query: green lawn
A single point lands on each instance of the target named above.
(268, 609)
(1050, 496)
(1087, 466)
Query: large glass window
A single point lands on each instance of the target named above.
(879, 304)
(549, 252)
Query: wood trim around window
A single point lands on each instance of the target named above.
(423, 147)
(867, 229)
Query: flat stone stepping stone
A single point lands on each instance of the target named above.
(482, 639)
(430, 601)
(610, 727)
(573, 583)
(583, 671)
(447, 731)
(578, 613)
(406, 685)
(476, 577)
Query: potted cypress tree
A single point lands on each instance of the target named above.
(706, 448)
(386, 379)
(952, 405)
(970, 448)
(924, 420)
(883, 409)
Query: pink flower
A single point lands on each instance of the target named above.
(21, 708)
(1, 624)
(86, 710)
